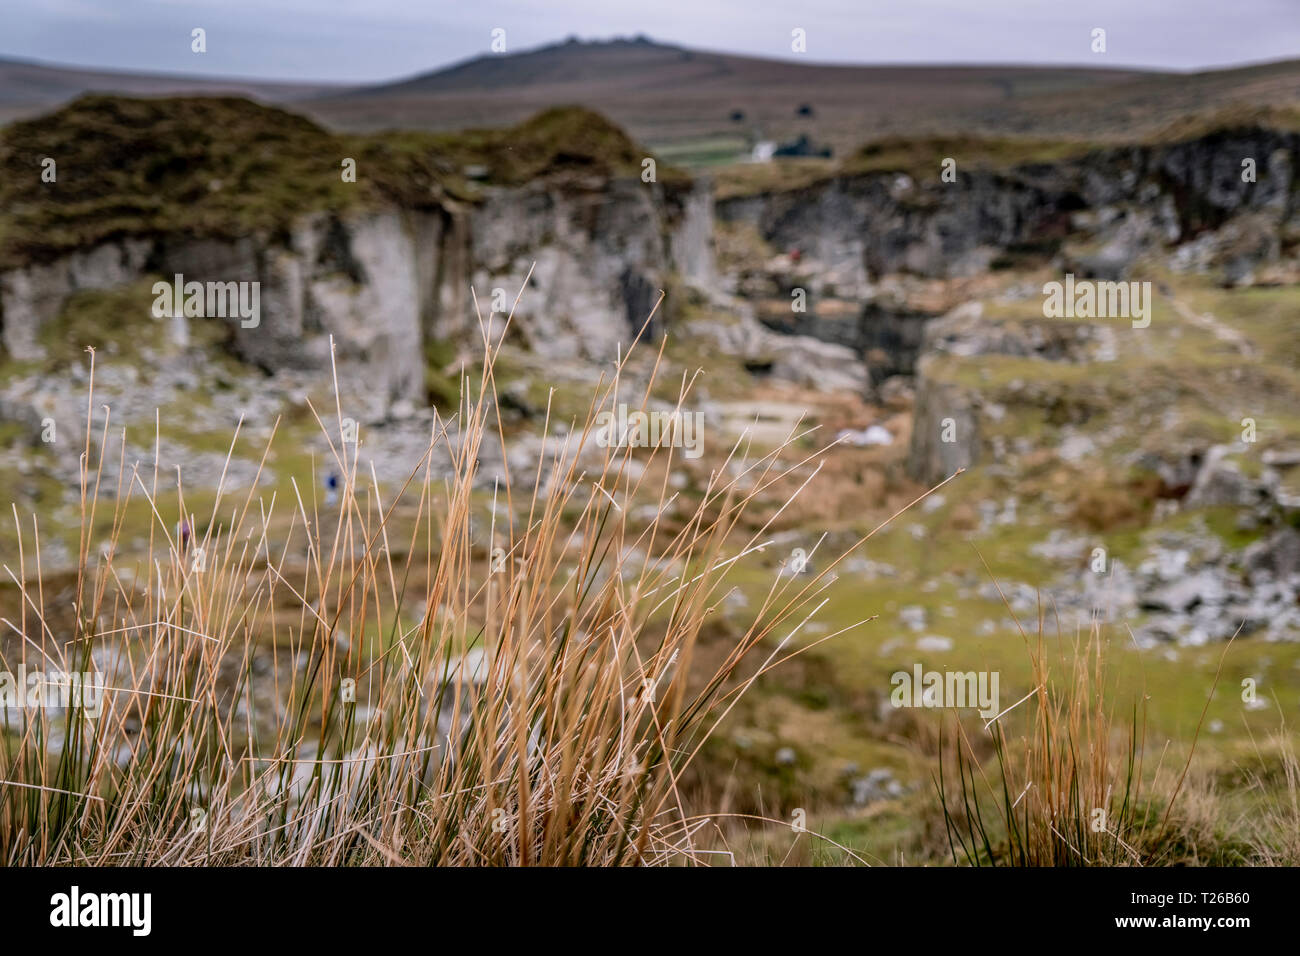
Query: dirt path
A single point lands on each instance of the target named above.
(1208, 322)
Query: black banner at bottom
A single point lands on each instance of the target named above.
(341, 907)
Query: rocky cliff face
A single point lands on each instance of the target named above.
(864, 245)
(598, 253)
(383, 280)
(863, 226)
(358, 279)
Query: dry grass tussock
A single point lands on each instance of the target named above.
(298, 685)
(1058, 779)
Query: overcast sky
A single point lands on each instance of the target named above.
(351, 40)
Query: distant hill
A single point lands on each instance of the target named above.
(1129, 109)
(662, 93)
(645, 67)
(698, 108)
(30, 88)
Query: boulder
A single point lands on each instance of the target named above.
(946, 434)
(1220, 481)
(1277, 556)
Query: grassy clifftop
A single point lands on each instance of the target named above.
(920, 156)
(228, 168)
(565, 137)
(127, 167)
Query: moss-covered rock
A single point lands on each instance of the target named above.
(225, 168)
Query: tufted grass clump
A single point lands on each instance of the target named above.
(464, 669)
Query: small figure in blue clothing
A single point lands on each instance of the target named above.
(331, 490)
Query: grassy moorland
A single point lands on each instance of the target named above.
(607, 656)
(308, 683)
(604, 660)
